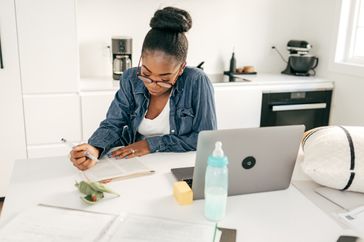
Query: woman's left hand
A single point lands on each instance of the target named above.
(139, 148)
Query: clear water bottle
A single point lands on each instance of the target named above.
(216, 184)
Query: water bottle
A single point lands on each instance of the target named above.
(216, 184)
(232, 68)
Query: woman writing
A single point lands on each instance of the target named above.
(161, 105)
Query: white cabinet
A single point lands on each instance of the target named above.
(50, 117)
(48, 58)
(12, 136)
(238, 106)
(48, 150)
(48, 45)
(94, 108)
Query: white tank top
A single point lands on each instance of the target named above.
(157, 126)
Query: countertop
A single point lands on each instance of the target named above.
(268, 82)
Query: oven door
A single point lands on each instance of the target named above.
(309, 108)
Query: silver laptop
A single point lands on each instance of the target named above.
(260, 159)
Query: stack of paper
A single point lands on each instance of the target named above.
(46, 224)
(355, 218)
(42, 223)
(344, 199)
(138, 228)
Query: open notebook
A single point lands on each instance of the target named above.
(111, 168)
(116, 169)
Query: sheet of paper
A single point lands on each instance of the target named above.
(139, 228)
(345, 199)
(42, 223)
(217, 235)
(109, 168)
(355, 218)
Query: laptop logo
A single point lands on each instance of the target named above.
(248, 162)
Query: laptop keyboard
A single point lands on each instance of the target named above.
(188, 181)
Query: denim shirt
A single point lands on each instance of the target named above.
(192, 109)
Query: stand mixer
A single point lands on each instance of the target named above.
(300, 62)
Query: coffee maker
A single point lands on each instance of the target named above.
(300, 62)
(121, 55)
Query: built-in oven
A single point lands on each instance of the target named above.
(311, 108)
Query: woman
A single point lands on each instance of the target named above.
(161, 105)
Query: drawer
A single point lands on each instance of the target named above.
(94, 109)
(50, 117)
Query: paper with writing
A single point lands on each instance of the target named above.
(111, 168)
(42, 223)
(140, 228)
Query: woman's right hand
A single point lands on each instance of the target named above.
(79, 158)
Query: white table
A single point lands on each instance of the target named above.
(271, 216)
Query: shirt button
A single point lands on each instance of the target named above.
(172, 130)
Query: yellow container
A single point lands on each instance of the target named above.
(182, 193)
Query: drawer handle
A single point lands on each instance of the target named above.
(293, 107)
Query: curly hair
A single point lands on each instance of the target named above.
(168, 33)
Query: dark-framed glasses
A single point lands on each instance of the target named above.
(147, 80)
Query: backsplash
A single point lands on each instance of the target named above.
(250, 27)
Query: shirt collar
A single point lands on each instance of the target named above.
(179, 83)
(139, 87)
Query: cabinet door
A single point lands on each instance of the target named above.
(94, 109)
(12, 135)
(47, 45)
(40, 151)
(48, 118)
(238, 106)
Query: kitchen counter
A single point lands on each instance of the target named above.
(268, 82)
(271, 82)
(90, 84)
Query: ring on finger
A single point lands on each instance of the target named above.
(132, 151)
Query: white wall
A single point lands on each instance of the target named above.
(251, 26)
(320, 27)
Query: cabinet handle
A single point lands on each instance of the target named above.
(278, 108)
(1, 57)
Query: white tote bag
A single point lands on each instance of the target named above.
(334, 157)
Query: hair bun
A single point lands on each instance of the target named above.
(171, 19)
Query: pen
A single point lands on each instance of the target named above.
(87, 154)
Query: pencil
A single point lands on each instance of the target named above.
(87, 153)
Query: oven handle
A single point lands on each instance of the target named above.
(278, 108)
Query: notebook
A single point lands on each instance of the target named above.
(116, 169)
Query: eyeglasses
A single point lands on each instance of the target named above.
(147, 80)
